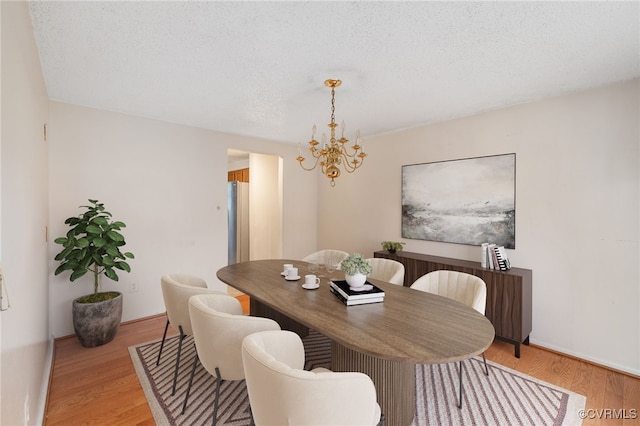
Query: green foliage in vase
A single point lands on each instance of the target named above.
(93, 245)
(392, 246)
(355, 263)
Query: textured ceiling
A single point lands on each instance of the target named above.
(257, 68)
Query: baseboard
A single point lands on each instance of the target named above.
(69, 336)
(46, 382)
(597, 363)
(163, 314)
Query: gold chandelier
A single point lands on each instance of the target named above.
(336, 153)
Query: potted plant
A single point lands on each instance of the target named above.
(355, 268)
(392, 246)
(93, 245)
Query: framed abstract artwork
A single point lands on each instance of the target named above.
(467, 201)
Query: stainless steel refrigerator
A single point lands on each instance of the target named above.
(238, 218)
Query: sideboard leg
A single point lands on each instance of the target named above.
(517, 345)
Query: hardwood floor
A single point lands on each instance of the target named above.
(99, 386)
(605, 389)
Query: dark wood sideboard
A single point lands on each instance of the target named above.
(508, 292)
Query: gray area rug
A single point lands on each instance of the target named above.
(505, 397)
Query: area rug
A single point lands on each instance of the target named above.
(505, 397)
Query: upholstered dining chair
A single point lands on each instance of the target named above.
(386, 270)
(218, 329)
(326, 257)
(176, 291)
(281, 392)
(462, 287)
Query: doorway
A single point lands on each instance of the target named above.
(263, 176)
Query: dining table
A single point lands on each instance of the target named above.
(384, 340)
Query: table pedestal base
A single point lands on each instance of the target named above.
(395, 382)
(258, 309)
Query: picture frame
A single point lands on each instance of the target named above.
(466, 201)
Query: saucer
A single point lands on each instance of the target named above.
(362, 288)
(292, 278)
(310, 286)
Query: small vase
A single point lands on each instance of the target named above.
(356, 280)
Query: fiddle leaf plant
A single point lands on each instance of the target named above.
(93, 245)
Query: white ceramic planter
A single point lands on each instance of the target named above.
(356, 280)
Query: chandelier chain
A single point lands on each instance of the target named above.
(333, 106)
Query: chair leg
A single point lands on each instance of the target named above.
(252, 422)
(164, 336)
(217, 397)
(486, 369)
(175, 373)
(193, 370)
(460, 386)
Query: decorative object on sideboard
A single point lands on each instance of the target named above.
(494, 257)
(467, 201)
(355, 268)
(392, 246)
(93, 245)
(334, 154)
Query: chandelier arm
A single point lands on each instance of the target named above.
(317, 154)
(355, 149)
(315, 164)
(347, 163)
(350, 167)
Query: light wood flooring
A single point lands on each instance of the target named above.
(98, 386)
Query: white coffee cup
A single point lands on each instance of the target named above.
(291, 272)
(311, 280)
(286, 267)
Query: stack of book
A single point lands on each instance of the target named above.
(371, 294)
(495, 257)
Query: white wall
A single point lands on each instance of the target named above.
(577, 210)
(265, 206)
(24, 351)
(168, 183)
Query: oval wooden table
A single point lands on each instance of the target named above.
(384, 340)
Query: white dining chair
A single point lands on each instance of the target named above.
(176, 291)
(326, 257)
(387, 270)
(282, 393)
(462, 287)
(219, 327)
